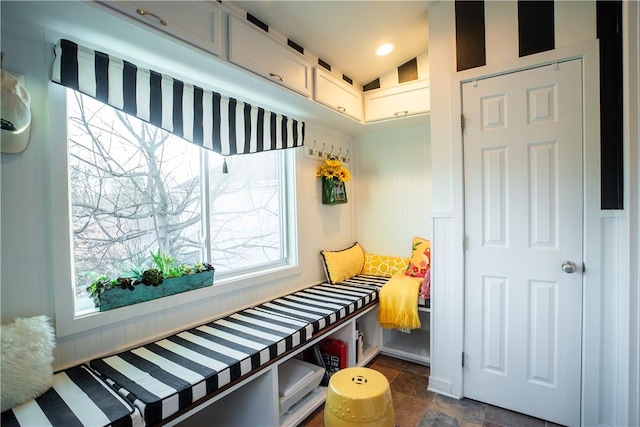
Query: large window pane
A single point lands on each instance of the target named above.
(246, 220)
(136, 189)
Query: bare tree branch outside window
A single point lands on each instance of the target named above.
(136, 188)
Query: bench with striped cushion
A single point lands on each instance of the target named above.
(167, 376)
(77, 398)
(323, 305)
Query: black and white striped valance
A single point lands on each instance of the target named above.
(206, 118)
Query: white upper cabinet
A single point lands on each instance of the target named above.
(404, 100)
(197, 23)
(253, 49)
(338, 94)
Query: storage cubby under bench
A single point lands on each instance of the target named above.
(221, 373)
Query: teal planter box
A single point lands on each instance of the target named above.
(116, 297)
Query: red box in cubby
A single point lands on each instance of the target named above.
(334, 354)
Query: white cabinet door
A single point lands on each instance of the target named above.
(399, 101)
(255, 50)
(337, 94)
(198, 23)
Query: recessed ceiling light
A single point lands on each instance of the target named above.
(385, 49)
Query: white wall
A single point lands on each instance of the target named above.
(446, 372)
(390, 79)
(393, 181)
(608, 388)
(27, 226)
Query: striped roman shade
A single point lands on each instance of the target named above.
(206, 118)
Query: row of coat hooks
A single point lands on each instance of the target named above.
(324, 152)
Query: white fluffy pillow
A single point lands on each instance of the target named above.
(27, 355)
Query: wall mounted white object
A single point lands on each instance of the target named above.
(16, 113)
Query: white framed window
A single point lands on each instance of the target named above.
(133, 188)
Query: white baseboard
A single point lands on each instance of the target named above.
(441, 387)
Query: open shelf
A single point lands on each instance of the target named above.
(372, 336)
(301, 410)
(369, 353)
(254, 401)
(232, 408)
(414, 346)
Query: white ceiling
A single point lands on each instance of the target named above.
(345, 33)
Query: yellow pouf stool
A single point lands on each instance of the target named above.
(358, 397)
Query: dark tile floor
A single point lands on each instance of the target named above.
(415, 406)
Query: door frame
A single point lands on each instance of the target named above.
(592, 284)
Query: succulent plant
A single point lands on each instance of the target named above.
(125, 283)
(202, 266)
(164, 267)
(152, 277)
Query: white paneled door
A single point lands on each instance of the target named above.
(523, 225)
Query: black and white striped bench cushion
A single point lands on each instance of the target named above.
(167, 376)
(323, 305)
(77, 398)
(367, 281)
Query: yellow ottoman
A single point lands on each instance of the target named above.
(358, 397)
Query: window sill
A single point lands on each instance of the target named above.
(91, 319)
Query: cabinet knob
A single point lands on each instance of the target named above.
(401, 113)
(342, 109)
(278, 76)
(143, 12)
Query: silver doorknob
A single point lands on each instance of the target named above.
(569, 267)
